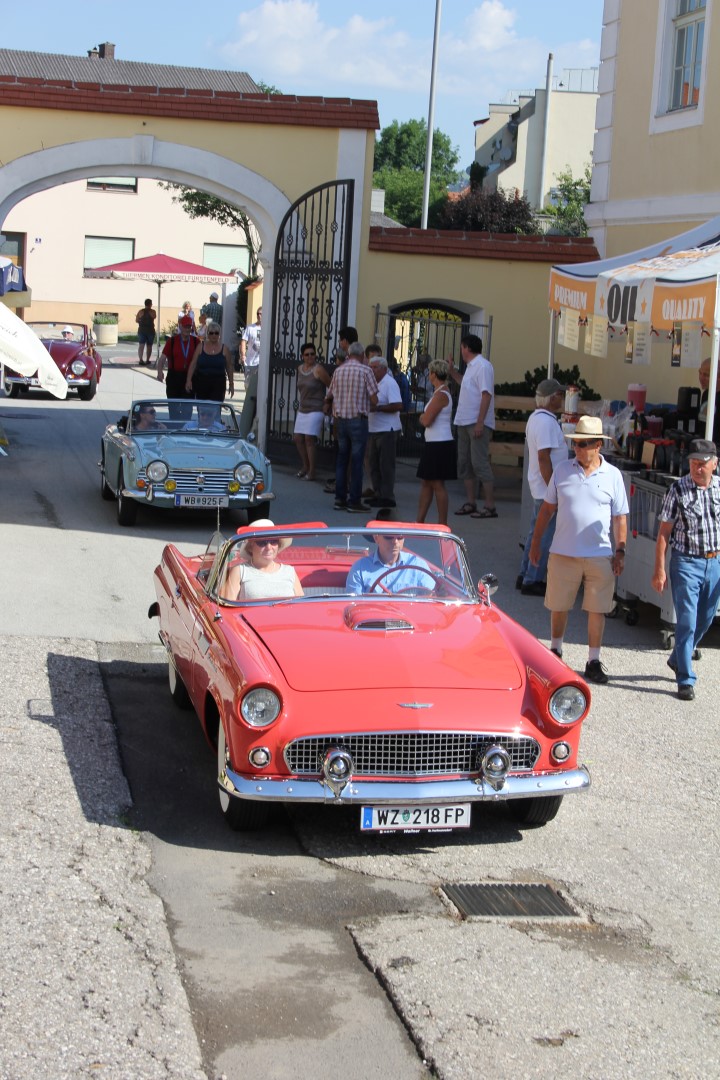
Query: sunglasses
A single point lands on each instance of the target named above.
(213, 333)
(267, 543)
(585, 443)
(148, 412)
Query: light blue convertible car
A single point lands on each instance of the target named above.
(182, 453)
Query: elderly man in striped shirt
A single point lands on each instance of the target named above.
(353, 390)
(690, 522)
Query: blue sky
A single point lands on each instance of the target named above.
(379, 50)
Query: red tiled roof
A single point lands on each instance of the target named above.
(483, 245)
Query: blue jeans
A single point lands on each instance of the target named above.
(352, 436)
(531, 574)
(696, 592)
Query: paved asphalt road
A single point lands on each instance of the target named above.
(182, 950)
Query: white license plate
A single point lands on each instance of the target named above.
(202, 500)
(415, 818)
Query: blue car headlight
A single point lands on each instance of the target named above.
(567, 704)
(157, 471)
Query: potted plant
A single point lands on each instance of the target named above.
(105, 327)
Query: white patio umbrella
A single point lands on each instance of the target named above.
(22, 351)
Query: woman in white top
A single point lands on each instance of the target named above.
(260, 576)
(186, 310)
(438, 454)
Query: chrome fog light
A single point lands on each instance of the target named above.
(337, 767)
(560, 751)
(567, 704)
(495, 766)
(260, 756)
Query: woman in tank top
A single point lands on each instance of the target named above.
(312, 383)
(260, 576)
(210, 367)
(438, 454)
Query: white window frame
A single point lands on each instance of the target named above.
(662, 117)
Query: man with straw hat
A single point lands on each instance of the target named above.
(588, 495)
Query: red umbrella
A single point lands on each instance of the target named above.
(161, 268)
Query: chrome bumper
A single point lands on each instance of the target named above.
(32, 380)
(404, 793)
(167, 499)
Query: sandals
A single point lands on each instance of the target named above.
(465, 509)
(486, 512)
(301, 474)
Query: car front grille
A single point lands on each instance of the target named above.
(412, 754)
(215, 481)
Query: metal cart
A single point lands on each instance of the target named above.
(645, 499)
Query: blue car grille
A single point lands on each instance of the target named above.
(412, 754)
(215, 481)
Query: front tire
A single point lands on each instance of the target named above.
(12, 390)
(534, 811)
(126, 508)
(87, 393)
(255, 513)
(241, 815)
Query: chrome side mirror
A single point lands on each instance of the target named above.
(487, 585)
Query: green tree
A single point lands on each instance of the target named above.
(573, 195)
(199, 204)
(267, 88)
(400, 170)
(404, 146)
(478, 210)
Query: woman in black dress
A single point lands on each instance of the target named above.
(210, 367)
(438, 456)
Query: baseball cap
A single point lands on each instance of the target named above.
(185, 320)
(702, 450)
(213, 296)
(548, 387)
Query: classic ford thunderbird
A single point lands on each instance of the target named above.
(363, 667)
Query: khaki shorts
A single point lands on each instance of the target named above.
(566, 574)
(474, 454)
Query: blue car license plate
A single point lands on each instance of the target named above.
(415, 818)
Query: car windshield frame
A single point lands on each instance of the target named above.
(52, 331)
(175, 414)
(324, 556)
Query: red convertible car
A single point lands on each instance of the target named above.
(362, 666)
(72, 348)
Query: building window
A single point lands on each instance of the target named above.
(688, 34)
(681, 60)
(104, 250)
(12, 246)
(226, 257)
(113, 183)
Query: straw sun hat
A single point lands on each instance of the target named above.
(589, 427)
(263, 523)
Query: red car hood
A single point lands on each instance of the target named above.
(354, 646)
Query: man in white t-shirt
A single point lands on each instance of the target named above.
(250, 358)
(475, 421)
(383, 428)
(545, 448)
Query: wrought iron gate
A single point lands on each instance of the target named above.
(310, 295)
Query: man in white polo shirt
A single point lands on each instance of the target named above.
(475, 421)
(589, 497)
(384, 427)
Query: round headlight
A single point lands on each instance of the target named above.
(78, 367)
(567, 704)
(245, 473)
(157, 471)
(260, 707)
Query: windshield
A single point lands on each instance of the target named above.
(61, 331)
(196, 419)
(269, 565)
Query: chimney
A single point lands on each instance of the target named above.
(107, 51)
(93, 53)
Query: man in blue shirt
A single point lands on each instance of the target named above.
(365, 572)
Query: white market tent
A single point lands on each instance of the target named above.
(673, 281)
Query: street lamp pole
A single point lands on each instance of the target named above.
(431, 117)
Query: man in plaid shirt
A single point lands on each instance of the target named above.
(690, 520)
(353, 390)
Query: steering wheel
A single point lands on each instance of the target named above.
(411, 590)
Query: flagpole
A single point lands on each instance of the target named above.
(431, 117)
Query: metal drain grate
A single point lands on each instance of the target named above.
(505, 901)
